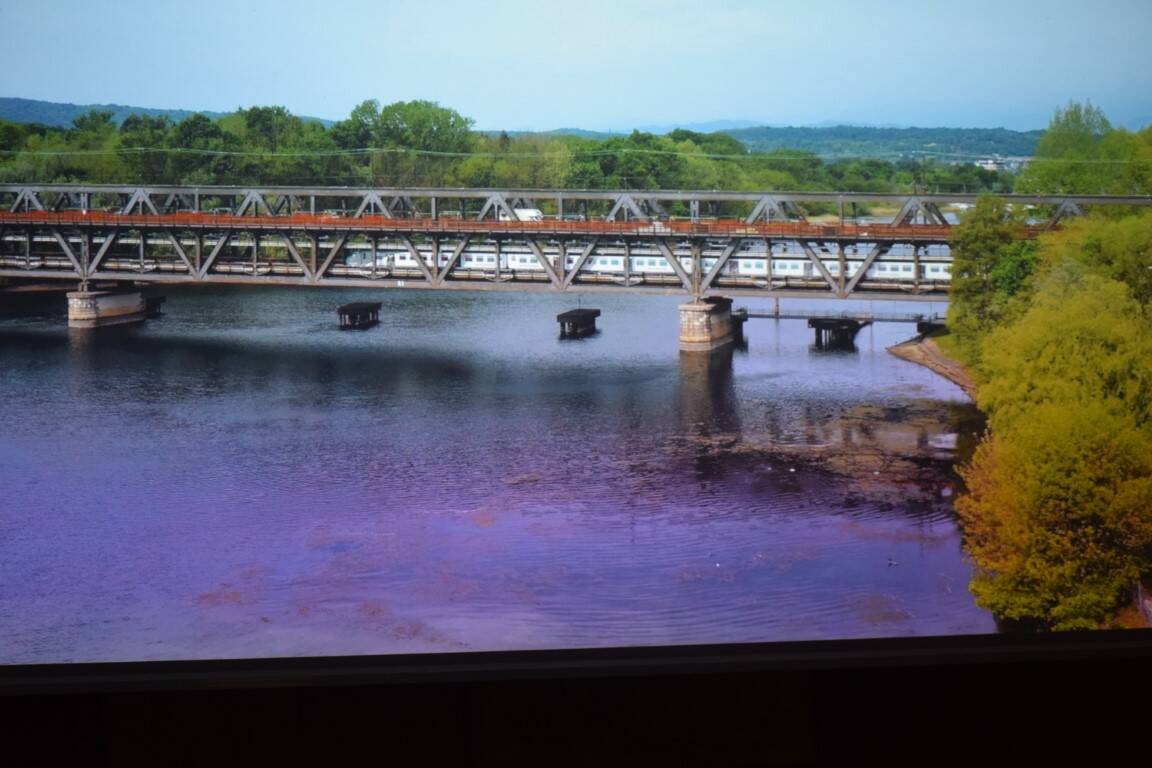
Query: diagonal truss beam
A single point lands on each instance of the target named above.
(936, 214)
(877, 251)
(765, 208)
(674, 262)
(254, 200)
(725, 255)
(497, 202)
(557, 281)
(372, 202)
(580, 261)
(64, 246)
(139, 198)
(336, 248)
(914, 205)
(292, 250)
(28, 199)
(814, 257)
(180, 251)
(285, 201)
(419, 258)
(453, 261)
(173, 202)
(791, 209)
(626, 201)
(206, 267)
(109, 240)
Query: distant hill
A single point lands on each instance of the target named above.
(61, 114)
(712, 126)
(852, 141)
(892, 143)
(829, 142)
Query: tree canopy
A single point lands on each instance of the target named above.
(1082, 153)
(422, 143)
(991, 265)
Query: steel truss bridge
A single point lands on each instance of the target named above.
(694, 242)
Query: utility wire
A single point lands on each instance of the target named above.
(370, 151)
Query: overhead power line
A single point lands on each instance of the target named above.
(773, 156)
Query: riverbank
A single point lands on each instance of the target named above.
(925, 351)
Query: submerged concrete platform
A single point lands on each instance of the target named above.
(577, 323)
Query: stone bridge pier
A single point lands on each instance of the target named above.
(100, 308)
(706, 324)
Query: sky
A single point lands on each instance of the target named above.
(596, 64)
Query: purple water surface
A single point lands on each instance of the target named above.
(241, 479)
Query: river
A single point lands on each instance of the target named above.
(239, 479)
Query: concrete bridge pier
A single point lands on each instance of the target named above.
(836, 333)
(706, 324)
(97, 309)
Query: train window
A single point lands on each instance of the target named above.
(615, 262)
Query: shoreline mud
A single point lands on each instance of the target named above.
(926, 352)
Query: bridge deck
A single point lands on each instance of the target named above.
(760, 244)
(302, 222)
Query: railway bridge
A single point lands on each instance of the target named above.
(698, 243)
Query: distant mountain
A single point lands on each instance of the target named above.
(711, 126)
(827, 141)
(958, 144)
(584, 133)
(61, 114)
(579, 132)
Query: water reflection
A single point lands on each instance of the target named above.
(707, 406)
(456, 478)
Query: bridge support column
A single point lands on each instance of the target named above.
(836, 333)
(96, 309)
(706, 324)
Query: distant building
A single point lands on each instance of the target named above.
(1009, 164)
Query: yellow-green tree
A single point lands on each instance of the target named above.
(1083, 339)
(1058, 512)
(1117, 248)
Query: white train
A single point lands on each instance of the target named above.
(784, 263)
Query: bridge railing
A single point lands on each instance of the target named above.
(871, 317)
(305, 221)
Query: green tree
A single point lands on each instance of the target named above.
(144, 141)
(424, 125)
(197, 140)
(1081, 153)
(991, 264)
(360, 130)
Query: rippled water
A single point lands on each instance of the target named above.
(242, 479)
